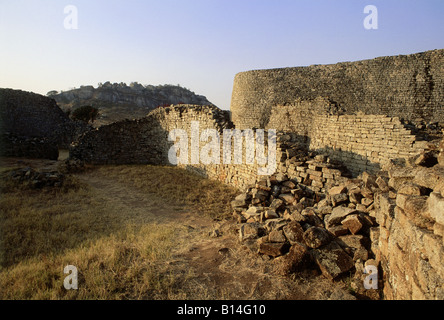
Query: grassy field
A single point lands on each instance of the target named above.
(106, 223)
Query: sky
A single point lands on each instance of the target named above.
(199, 44)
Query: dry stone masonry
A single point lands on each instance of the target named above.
(406, 86)
(359, 168)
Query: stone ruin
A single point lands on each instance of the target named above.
(359, 179)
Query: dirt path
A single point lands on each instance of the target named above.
(214, 267)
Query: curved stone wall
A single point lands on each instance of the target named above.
(405, 86)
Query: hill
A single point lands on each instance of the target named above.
(119, 101)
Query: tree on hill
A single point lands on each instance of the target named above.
(85, 113)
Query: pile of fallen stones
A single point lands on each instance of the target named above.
(36, 179)
(299, 228)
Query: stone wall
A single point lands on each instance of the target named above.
(362, 142)
(28, 115)
(407, 86)
(409, 241)
(144, 141)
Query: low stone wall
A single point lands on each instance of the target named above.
(36, 148)
(144, 141)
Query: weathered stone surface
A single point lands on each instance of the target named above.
(250, 231)
(294, 232)
(276, 236)
(353, 223)
(338, 199)
(339, 230)
(315, 237)
(353, 241)
(436, 207)
(273, 249)
(332, 260)
(297, 259)
(287, 197)
(337, 215)
(337, 190)
(271, 214)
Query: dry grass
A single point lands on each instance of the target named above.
(42, 231)
(177, 186)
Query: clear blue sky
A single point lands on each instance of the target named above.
(199, 44)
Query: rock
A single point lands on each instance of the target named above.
(337, 190)
(252, 212)
(239, 204)
(250, 231)
(287, 197)
(353, 241)
(297, 259)
(315, 237)
(338, 199)
(435, 205)
(337, 215)
(294, 232)
(277, 204)
(339, 230)
(270, 214)
(276, 236)
(325, 210)
(289, 184)
(367, 193)
(243, 197)
(355, 197)
(410, 189)
(353, 223)
(311, 217)
(332, 260)
(427, 159)
(369, 180)
(382, 184)
(366, 202)
(273, 249)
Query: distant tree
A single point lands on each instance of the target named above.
(85, 113)
(52, 93)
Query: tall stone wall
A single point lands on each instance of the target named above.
(29, 120)
(409, 240)
(407, 86)
(362, 142)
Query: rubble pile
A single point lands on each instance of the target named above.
(300, 228)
